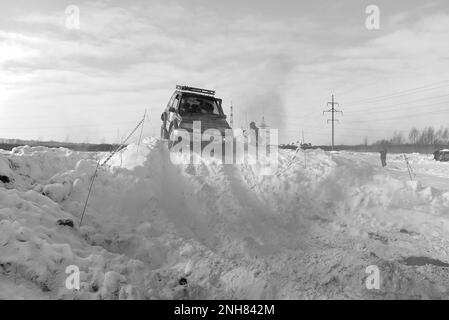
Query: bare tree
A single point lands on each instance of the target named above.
(398, 138)
(445, 135)
(430, 135)
(438, 134)
(413, 135)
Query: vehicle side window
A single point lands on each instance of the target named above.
(176, 102)
(170, 103)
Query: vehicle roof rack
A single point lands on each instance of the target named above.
(197, 90)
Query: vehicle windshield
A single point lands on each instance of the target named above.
(194, 105)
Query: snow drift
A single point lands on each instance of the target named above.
(154, 230)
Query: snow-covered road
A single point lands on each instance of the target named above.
(154, 230)
(429, 172)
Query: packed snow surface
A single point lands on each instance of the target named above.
(155, 230)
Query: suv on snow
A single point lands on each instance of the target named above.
(187, 105)
(441, 155)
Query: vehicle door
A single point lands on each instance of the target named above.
(172, 110)
(445, 156)
(164, 115)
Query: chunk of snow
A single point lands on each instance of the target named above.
(56, 191)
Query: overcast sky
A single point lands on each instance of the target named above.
(282, 59)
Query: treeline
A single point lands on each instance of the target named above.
(426, 136)
(103, 147)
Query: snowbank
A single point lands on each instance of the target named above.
(154, 230)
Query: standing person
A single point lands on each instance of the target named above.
(253, 127)
(253, 139)
(383, 157)
(436, 155)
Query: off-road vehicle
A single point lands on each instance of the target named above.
(441, 155)
(189, 104)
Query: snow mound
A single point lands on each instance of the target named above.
(155, 230)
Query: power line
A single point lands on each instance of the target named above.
(391, 106)
(333, 120)
(293, 120)
(118, 149)
(321, 133)
(442, 111)
(348, 129)
(141, 129)
(231, 118)
(434, 86)
(376, 110)
(417, 107)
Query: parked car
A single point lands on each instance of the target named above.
(189, 104)
(441, 155)
(305, 146)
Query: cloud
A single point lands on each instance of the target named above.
(283, 62)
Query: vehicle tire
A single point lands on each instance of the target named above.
(164, 133)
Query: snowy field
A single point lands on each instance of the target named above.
(154, 230)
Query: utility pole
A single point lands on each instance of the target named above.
(231, 118)
(246, 120)
(333, 120)
(305, 151)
